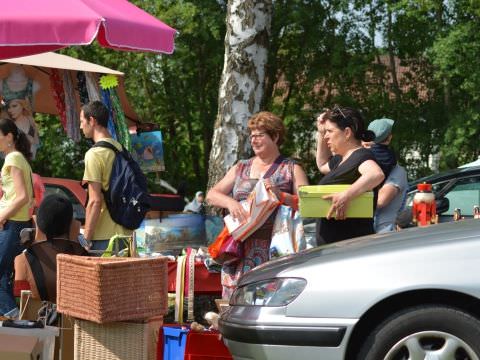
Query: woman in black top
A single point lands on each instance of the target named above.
(340, 132)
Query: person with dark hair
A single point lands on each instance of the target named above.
(342, 159)
(267, 133)
(15, 205)
(99, 226)
(56, 233)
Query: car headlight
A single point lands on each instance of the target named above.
(272, 292)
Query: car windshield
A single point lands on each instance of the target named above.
(464, 196)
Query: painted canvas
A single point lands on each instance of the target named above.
(148, 150)
(172, 232)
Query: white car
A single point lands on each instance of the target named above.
(413, 294)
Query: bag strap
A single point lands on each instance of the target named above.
(106, 144)
(274, 166)
(37, 272)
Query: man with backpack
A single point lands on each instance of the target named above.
(99, 226)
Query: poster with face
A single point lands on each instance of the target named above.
(148, 150)
(17, 91)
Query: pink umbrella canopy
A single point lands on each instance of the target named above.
(31, 27)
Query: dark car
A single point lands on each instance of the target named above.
(454, 189)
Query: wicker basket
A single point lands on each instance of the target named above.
(116, 341)
(111, 289)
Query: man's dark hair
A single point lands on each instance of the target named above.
(98, 111)
(54, 216)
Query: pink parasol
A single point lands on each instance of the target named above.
(30, 27)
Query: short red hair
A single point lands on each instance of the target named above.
(268, 122)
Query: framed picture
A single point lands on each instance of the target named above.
(148, 150)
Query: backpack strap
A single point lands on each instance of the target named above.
(37, 272)
(106, 144)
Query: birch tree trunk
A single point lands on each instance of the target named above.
(242, 83)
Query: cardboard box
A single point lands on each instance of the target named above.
(312, 205)
(222, 305)
(15, 347)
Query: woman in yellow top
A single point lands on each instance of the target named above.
(14, 205)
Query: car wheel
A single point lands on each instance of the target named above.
(427, 332)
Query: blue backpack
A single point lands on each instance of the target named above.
(127, 197)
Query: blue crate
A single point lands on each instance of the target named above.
(174, 341)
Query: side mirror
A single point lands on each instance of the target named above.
(443, 204)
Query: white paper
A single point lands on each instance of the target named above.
(231, 223)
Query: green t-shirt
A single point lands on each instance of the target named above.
(98, 167)
(16, 159)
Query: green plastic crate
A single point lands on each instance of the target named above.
(312, 205)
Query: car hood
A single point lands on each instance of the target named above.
(402, 243)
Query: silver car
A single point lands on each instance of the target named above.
(414, 294)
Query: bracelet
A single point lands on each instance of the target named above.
(283, 197)
(295, 202)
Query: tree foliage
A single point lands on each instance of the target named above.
(413, 61)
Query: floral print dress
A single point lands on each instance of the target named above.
(256, 247)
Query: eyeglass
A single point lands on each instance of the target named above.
(257, 136)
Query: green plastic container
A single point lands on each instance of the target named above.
(312, 205)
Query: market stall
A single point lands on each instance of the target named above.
(57, 84)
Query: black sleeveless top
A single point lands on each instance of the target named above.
(332, 230)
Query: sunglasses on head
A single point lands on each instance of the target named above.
(346, 121)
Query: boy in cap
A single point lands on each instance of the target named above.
(392, 194)
(385, 156)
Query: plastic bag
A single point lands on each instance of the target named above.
(225, 249)
(288, 233)
(121, 246)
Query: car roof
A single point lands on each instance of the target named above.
(73, 185)
(447, 175)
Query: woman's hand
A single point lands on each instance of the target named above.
(269, 186)
(321, 124)
(237, 211)
(340, 202)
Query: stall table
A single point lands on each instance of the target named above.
(205, 282)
